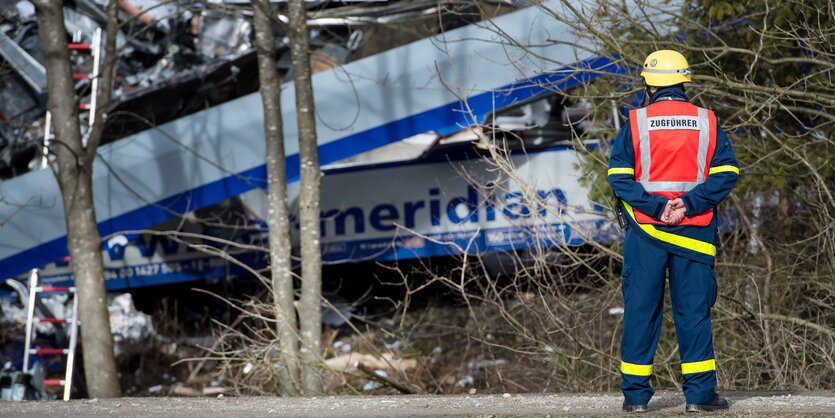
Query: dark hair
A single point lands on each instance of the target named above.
(679, 85)
(647, 94)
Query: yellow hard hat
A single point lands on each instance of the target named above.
(666, 68)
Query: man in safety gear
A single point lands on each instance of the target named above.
(671, 165)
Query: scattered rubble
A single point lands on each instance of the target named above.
(128, 325)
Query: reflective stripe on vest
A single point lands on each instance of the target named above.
(674, 142)
(645, 125)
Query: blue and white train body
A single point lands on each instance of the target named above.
(430, 205)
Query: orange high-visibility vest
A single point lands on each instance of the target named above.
(674, 143)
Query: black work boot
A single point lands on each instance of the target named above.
(715, 404)
(628, 407)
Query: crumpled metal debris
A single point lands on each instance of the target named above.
(128, 325)
(192, 56)
(19, 386)
(13, 312)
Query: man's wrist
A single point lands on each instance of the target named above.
(688, 205)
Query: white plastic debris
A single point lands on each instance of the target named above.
(155, 389)
(248, 368)
(616, 311)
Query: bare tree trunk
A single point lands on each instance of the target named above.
(73, 169)
(278, 212)
(310, 312)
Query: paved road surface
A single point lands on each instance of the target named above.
(664, 403)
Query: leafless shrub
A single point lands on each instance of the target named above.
(769, 79)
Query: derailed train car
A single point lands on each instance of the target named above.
(383, 198)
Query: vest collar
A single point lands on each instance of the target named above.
(669, 93)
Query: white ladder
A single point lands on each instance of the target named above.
(34, 289)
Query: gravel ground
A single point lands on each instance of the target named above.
(664, 403)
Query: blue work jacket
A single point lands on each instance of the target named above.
(694, 242)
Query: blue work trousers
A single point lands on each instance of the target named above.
(692, 292)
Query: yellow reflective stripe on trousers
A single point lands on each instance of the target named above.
(636, 369)
(698, 367)
(723, 168)
(678, 240)
(621, 170)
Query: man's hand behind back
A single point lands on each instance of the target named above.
(673, 212)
